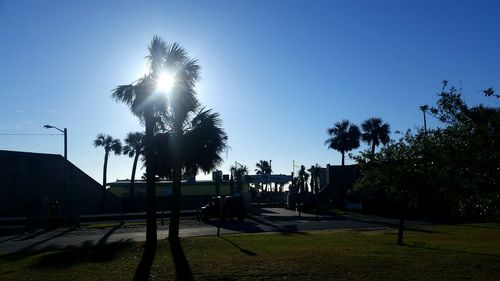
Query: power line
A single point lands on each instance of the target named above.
(21, 134)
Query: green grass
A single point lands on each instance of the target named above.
(431, 253)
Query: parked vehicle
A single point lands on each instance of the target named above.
(232, 207)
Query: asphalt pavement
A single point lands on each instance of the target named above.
(262, 220)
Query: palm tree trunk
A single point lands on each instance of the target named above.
(150, 181)
(173, 231)
(343, 152)
(373, 149)
(104, 171)
(132, 182)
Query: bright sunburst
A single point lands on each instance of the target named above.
(165, 82)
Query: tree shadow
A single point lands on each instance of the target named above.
(144, 268)
(106, 236)
(244, 251)
(182, 268)
(33, 246)
(33, 234)
(451, 250)
(86, 253)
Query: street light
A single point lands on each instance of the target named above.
(65, 132)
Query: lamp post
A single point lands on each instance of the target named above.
(65, 207)
(65, 132)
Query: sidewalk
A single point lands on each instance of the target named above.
(263, 220)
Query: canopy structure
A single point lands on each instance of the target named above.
(269, 178)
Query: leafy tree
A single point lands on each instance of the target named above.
(400, 170)
(344, 137)
(470, 147)
(134, 147)
(375, 132)
(452, 169)
(110, 145)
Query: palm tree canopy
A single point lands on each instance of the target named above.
(344, 136)
(142, 93)
(263, 167)
(239, 171)
(303, 174)
(315, 170)
(375, 131)
(108, 143)
(203, 142)
(134, 144)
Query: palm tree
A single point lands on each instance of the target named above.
(315, 174)
(238, 173)
(197, 147)
(303, 177)
(110, 145)
(344, 137)
(134, 146)
(263, 168)
(375, 132)
(140, 98)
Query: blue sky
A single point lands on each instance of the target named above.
(279, 72)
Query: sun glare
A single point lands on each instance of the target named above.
(165, 82)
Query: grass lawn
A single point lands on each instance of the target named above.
(431, 253)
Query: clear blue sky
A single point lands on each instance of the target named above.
(279, 72)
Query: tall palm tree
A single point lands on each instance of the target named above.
(140, 97)
(110, 145)
(263, 168)
(375, 132)
(134, 147)
(344, 137)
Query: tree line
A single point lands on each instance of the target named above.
(447, 173)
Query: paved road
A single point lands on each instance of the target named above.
(265, 220)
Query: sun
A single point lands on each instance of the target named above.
(165, 82)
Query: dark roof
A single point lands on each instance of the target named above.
(29, 154)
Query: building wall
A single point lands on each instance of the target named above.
(193, 194)
(340, 181)
(33, 185)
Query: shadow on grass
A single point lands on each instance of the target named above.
(490, 226)
(182, 268)
(244, 251)
(451, 251)
(144, 268)
(84, 254)
(423, 230)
